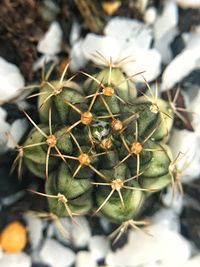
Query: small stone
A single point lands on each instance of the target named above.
(78, 60)
(1, 253)
(51, 42)
(11, 81)
(150, 15)
(194, 107)
(165, 30)
(110, 7)
(189, 3)
(183, 63)
(193, 262)
(4, 127)
(79, 232)
(132, 32)
(164, 246)
(98, 246)
(75, 33)
(15, 260)
(187, 143)
(96, 48)
(148, 61)
(163, 24)
(84, 258)
(17, 130)
(168, 218)
(173, 201)
(55, 254)
(34, 228)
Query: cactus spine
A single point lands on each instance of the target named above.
(99, 146)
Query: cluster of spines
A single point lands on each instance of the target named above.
(118, 125)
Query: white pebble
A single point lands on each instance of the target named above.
(150, 15)
(84, 259)
(128, 32)
(51, 42)
(35, 228)
(15, 260)
(79, 232)
(11, 81)
(194, 107)
(4, 127)
(78, 60)
(163, 24)
(99, 246)
(107, 46)
(187, 143)
(168, 218)
(55, 254)
(173, 201)
(17, 130)
(193, 262)
(1, 253)
(182, 64)
(143, 60)
(164, 246)
(189, 3)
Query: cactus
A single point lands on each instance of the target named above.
(99, 146)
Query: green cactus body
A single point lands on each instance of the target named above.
(105, 147)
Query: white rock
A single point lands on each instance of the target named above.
(193, 262)
(129, 32)
(105, 45)
(194, 107)
(143, 60)
(78, 60)
(11, 81)
(79, 232)
(150, 15)
(105, 223)
(167, 20)
(55, 254)
(4, 127)
(1, 253)
(183, 63)
(164, 246)
(84, 258)
(174, 202)
(98, 246)
(189, 3)
(187, 143)
(51, 42)
(17, 130)
(35, 228)
(168, 218)
(163, 45)
(75, 33)
(15, 260)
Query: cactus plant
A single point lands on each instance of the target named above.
(99, 146)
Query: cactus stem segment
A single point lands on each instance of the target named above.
(51, 140)
(61, 198)
(117, 185)
(124, 227)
